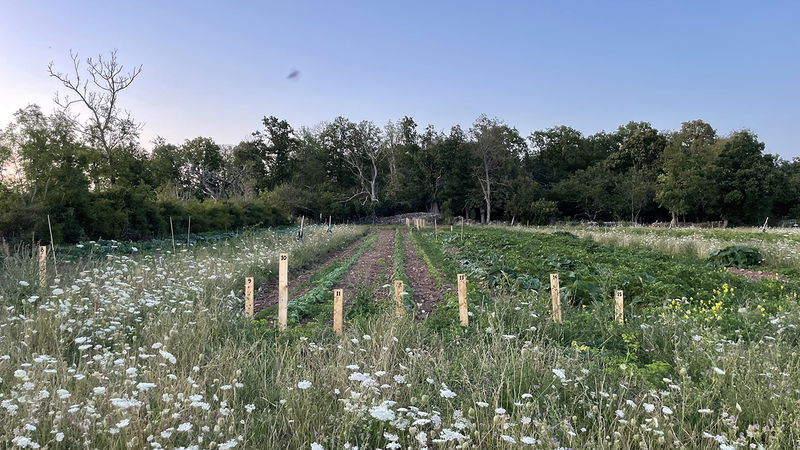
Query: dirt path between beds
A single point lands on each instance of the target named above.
(427, 293)
(267, 294)
(373, 270)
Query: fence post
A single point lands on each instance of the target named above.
(172, 233)
(555, 293)
(283, 290)
(52, 246)
(338, 306)
(249, 308)
(42, 266)
(463, 309)
(398, 297)
(619, 306)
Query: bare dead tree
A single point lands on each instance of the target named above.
(108, 126)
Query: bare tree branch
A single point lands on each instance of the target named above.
(108, 127)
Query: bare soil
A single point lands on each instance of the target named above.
(373, 270)
(754, 274)
(267, 294)
(427, 293)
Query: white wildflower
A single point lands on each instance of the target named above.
(447, 393)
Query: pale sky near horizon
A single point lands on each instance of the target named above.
(216, 68)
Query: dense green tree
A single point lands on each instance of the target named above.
(165, 166)
(457, 185)
(359, 151)
(588, 194)
(498, 149)
(272, 156)
(203, 166)
(253, 158)
(687, 184)
(556, 153)
(787, 189)
(744, 179)
(636, 163)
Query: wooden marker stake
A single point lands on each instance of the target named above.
(302, 226)
(555, 293)
(283, 290)
(398, 297)
(463, 310)
(52, 246)
(338, 306)
(249, 302)
(619, 306)
(42, 266)
(172, 233)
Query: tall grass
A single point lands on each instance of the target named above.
(152, 351)
(780, 248)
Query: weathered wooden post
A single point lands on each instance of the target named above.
(398, 297)
(299, 235)
(555, 293)
(619, 306)
(283, 290)
(172, 233)
(463, 309)
(249, 298)
(42, 266)
(52, 246)
(338, 307)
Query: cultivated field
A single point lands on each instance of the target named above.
(144, 346)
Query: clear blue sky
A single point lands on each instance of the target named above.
(214, 69)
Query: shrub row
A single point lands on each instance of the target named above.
(128, 214)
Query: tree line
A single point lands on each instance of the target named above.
(85, 167)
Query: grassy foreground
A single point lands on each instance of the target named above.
(151, 351)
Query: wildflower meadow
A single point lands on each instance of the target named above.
(146, 346)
